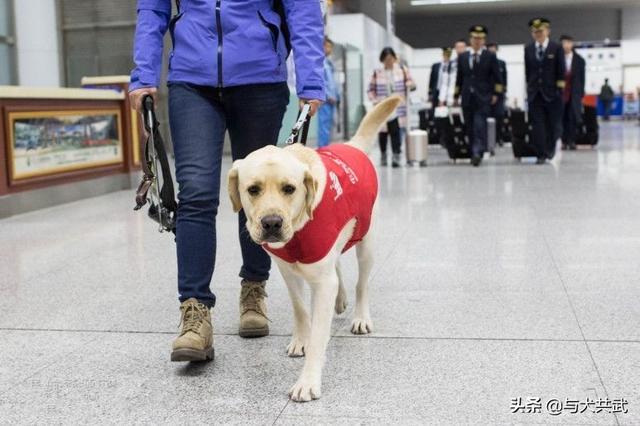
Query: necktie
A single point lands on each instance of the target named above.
(540, 52)
(475, 60)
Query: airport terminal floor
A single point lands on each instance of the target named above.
(493, 283)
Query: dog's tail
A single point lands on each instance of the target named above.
(372, 122)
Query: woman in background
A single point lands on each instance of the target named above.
(390, 79)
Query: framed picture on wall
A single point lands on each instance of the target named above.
(51, 142)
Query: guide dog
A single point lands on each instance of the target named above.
(306, 207)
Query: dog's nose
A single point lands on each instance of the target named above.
(271, 223)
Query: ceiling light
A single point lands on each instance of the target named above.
(441, 2)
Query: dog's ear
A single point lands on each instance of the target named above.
(232, 185)
(312, 186)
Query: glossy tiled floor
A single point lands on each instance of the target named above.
(511, 280)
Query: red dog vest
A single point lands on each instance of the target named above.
(350, 192)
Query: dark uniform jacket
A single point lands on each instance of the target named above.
(544, 78)
(574, 83)
(482, 81)
(502, 65)
(433, 82)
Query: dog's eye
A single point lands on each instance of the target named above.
(253, 190)
(288, 189)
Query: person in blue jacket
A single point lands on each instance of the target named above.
(327, 111)
(227, 72)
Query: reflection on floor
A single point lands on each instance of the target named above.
(510, 280)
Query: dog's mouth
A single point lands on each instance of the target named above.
(279, 239)
(272, 239)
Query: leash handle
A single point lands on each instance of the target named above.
(301, 128)
(148, 113)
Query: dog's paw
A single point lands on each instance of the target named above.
(305, 390)
(295, 348)
(341, 304)
(362, 325)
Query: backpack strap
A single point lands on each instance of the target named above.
(278, 7)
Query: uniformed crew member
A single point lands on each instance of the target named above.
(459, 47)
(574, 79)
(479, 83)
(497, 110)
(442, 79)
(544, 69)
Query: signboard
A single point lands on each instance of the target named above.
(51, 142)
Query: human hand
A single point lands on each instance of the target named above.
(136, 96)
(313, 103)
(332, 101)
(494, 100)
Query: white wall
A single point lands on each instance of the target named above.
(37, 43)
(631, 48)
(364, 33)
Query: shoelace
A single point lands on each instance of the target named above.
(192, 317)
(249, 297)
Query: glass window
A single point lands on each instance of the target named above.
(7, 57)
(4, 18)
(5, 65)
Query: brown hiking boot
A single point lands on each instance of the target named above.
(195, 342)
(253, 310)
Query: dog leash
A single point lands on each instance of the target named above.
(161, 197)
(301, 128)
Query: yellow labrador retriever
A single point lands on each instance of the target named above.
(306, 207)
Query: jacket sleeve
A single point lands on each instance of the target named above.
(526, 67)
(459, 78)
(583, 77)
(151, 25)
(304, 18)
(332, 90)
(433, 80)
(560, 68)
(498, 87)
(409, 84)
(505, 79)
(371, 93)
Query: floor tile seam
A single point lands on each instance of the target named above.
(370, 337)
(575, 315)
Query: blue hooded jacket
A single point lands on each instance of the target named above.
(224, 43)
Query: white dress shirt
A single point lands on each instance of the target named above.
(473, 52)
(545, 44)
(568, 59)
(447, 81)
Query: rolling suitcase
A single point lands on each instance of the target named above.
(434, 138)
(521, 135)
(453, 136)
(588, 133)
(423, 119)
(491, 135)
(417, 144)
(506, 127)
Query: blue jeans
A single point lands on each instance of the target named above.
(199, 117)
(325, 124)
